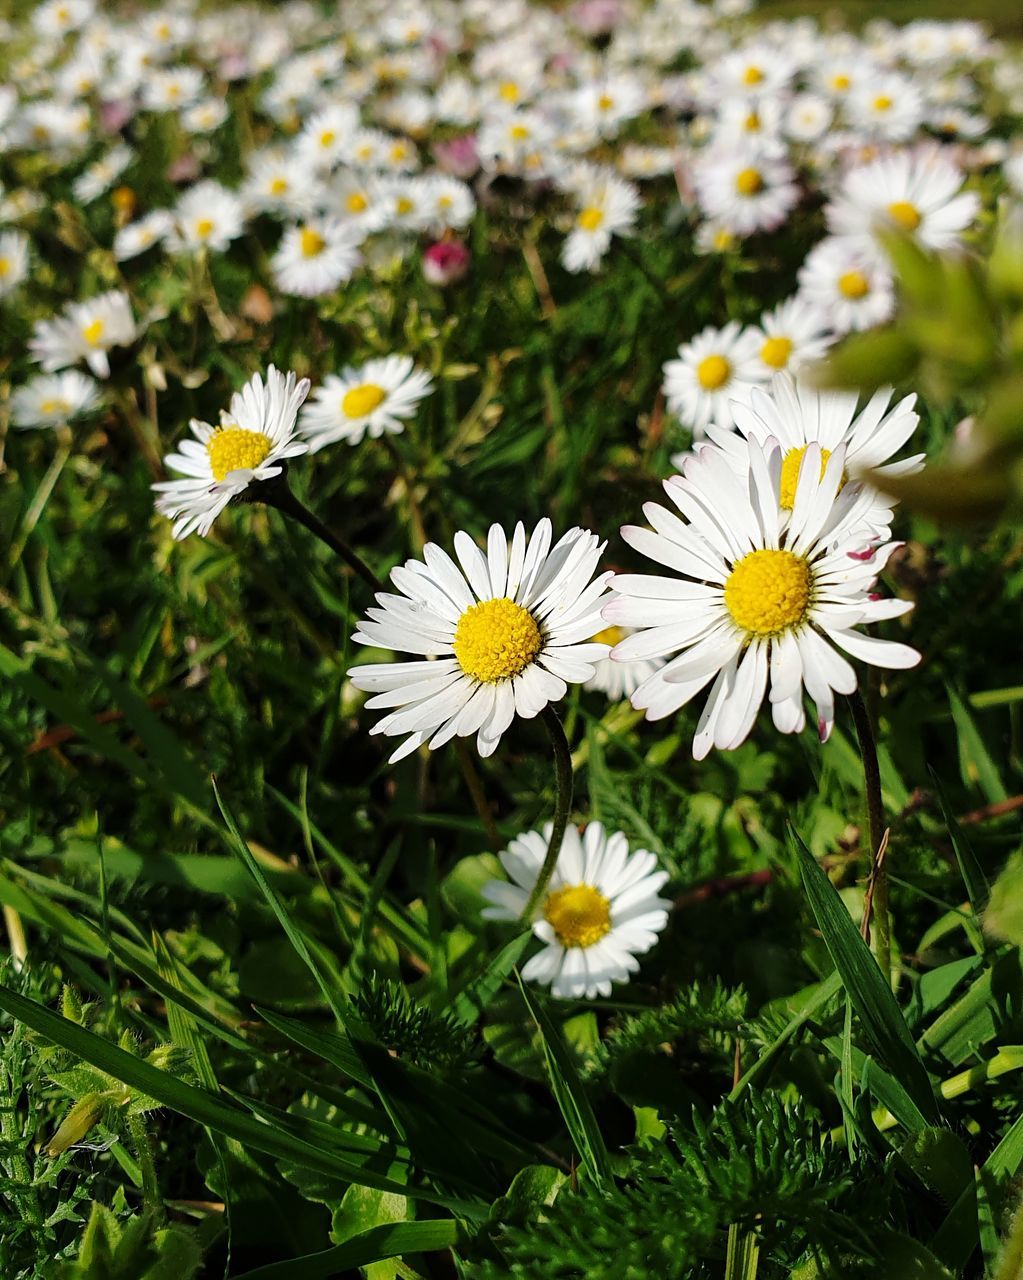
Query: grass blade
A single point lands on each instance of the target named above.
(375, 1245)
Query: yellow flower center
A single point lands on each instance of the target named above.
(362, 400)
(403, 205)
(776, 352)
(365, 151)
(54, 406)
(278, 186)
(518, 132)
(399, 152)
(123, 200)
(311, 242)
(173, 92)
(768, 591)
(610, 635)
(327, 137)
(5, 267)
(790, 474)
(841, 82)
(93, 332)
(883, 103)
(713, 372)
(591, 218)
(723, 240)
(235, 449)
(509, 91)
(748, 182)
(605, 102)
(495, 640)
(203, 228)
(853, 284)
(444, 202)
(356, 203)
(752, 75)
(579, 915)
(904, 215)
(752, 122)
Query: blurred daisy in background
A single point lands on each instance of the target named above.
(849, 283)
(600, 912)
(85, 331)
(102, 175)
(13, 260)
(715, 367)
(606, 206)
(501, 635)
(316, 257)
(756, 595)
(745, 190)
(619, 680)
(370, 399)
(53, 399)
(255, 438)
(208, 217)
(138, 236)
(794, 333)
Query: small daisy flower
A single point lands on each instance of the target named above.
(205, 116)
(381, 395)
(607, 206)
(849, 283)
(745, 190)
(717, 366)
(58, 17)
(889, 107)
(359, 197)
(791, 335)
(327, 135)
(53, 399)
(503, 635)
(757, 596)
(85, 331)
(795, 414)
(13, 260)
(207, 216)
(138, 236)
(808, 117)
(405, 202)
(600, 912)
(255, 438)
(451, 202)
(317, 256)
(619, 680)
(917, 191)
(102, 175)
(172, 90)
(278, 183)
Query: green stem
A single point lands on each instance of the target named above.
(562, 807)
(278, 494)
(144, 1153)
(875, 827)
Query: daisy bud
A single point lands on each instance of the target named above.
(446, 262)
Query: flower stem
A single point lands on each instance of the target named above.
(144, 1153)
(875, 827)
(562, 808)
(278, 494)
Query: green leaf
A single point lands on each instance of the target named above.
(975, 761)
(1004, 916)
(569, 1094)
(876, 1007)
(469, 1002)
(362, 1250)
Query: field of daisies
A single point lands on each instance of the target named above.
(511, 724)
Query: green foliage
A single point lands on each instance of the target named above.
(136, 1248)
(409, 1030)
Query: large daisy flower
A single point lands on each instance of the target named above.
(501, 636)
(757, 595)
(378, 396)
(255, 437)
(600, 912)
(918, 191)
(795, 414)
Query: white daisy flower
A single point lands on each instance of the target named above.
(791, 335)
(795, 414)
(316, 257)
(280, 183)
(745, 190)
(172, 90)
(136, 237)
(918, 191)
(502, 636)
(102, 175)
(84, 331)
(619, 680)
(53, 399)
(58, 17)
(207, 216)
(255, 438)
(378, 396)
(405, 201)
(600, 911)
(849, 283)
(13, 260)
(757, 595)
(327, 135)
(716, 367)
(450, 201)
(808, 117)
(889, 106)
(359, 197)
(607, 206)
(205, 116)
